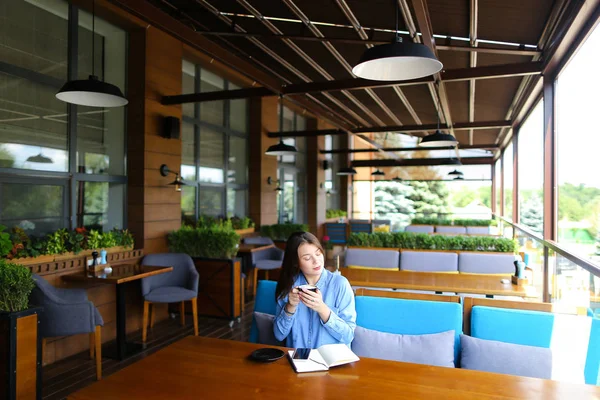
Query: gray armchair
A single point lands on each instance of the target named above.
(68, 312)
(267, 259)
(177, 286)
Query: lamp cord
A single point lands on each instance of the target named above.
(398, 39)
(93, 30)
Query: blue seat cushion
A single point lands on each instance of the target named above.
(529, 328)
(428, 261)
(372, 258)
(268, 264)
(592, 362)
(482, 263)
(169, 294)
(409, 317)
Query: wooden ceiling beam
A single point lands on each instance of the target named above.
(451, 75)
(309, 133)
(491, 147)
(431, 127)
(421, 162)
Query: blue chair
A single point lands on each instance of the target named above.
(267, 259)
(592, 361)
(68, 312)
(264, 303)
(177, 286)
(337, 232)
(410, 317)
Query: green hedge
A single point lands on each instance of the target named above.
(332, 213)
(281, 231)
(422, 241)
(207, 242)
(456, 222)
(16, 284)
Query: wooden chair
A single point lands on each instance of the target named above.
(407, 295)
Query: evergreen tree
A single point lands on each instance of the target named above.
(532, 214)
(430, 198)
(392, 202)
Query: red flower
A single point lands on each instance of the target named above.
(326, 238)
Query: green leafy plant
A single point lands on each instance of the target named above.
(94, 240)
(207, 242)
(333, 213)
(78, 240)
(37, 247)
(281, 231)
(123, 238)
(456, 222)
(16, 284)
(422, 241)
(241, 223)
(57, 242)
(6, 244)
(107, 240)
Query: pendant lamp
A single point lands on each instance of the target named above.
(397, 61)
(455, 172)
(281, 149)
(459, 178)
(439, 138)
(346, 171)
(397, 179)
(40, 159)
(92, 92)
(377, 172)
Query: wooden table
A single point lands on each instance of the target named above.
(120, 275)
(489, 285)
(205, 368)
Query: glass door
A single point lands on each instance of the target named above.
(287, 196)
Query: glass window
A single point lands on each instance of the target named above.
(238, 113)
(531, 170)
(212, 163)
(238, 160)
(39, 209)
(211, 111)
(188, 204)
(498, 179)
(188, 85)
(237, 200)
(188, 143)
(578, 143)
(211, 201)
(94, 201)
(507, 162)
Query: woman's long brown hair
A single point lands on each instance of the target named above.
(290, 266)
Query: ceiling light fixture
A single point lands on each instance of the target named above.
(459, 178)
(397, 179)
(377, 172)
(439, 138)
(281, 149)
(346, 171)
(92, 92)
(397, 61)
(40, 159)
(456, 172)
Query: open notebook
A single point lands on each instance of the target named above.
(323, 358)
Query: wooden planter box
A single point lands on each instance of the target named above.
(20, 355)
(245, 232)
(65, 256)
(335, 220)
(220, 287)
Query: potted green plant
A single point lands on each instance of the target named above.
(18, 330)
(213, 249)
(281, 232)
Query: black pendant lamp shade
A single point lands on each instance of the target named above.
(92, 92)
(397, 179)
(397, 61)
(459, 178)
(281, 149)
(347, 171)
(456, 172)
(438, 139)
(378, 172)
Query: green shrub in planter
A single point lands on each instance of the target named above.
(207, 242)
(16, 284)
(281, 231)
(422, 241)
(333, 213)
(455, 222)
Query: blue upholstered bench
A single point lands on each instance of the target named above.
(419, 229)
(486, 263)
(382, 259)
(592, 362)
(410, 317)
(264, 303)
(452, 230)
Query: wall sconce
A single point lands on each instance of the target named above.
(178, 182)
(278, 188)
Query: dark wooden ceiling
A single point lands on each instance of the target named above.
(527, 24)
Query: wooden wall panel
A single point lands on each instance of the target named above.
(315, 174)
